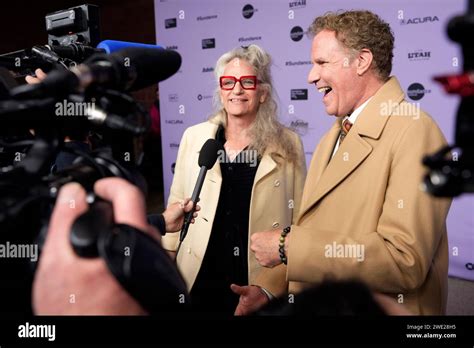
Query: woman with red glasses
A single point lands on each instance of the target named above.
(255, 185)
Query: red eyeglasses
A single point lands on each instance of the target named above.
(247, 82)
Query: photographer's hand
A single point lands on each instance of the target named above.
(174, 214)
(68, 284)
(251, 298)
(40, 76)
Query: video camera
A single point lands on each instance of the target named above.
(73, 35)
(84, 94)
(452, 167)
(75, 25)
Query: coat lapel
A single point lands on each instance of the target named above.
(266, 166)
(324, 176)
(349, 156)
(319, 162)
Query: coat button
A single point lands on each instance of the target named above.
(275, 225)
(277, 183)
(189, 250)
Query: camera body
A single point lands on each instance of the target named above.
(451, 169)
(73, 35)
(75, 25)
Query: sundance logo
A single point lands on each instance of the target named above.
(419, 20)
(299, 94)
(297, 62)
(208, 43)
(170, 23)
(202, 97)
(250, 38)
(416, 91)
(296, 33)
(248, 11)
(205, 18)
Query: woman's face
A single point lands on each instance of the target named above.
(240, 102)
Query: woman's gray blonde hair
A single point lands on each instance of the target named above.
(266, 131)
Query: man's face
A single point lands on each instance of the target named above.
(334, 74)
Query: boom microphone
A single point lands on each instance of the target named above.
(207, 158)
(126, 70)
(132, 68)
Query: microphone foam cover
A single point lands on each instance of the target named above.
(208, 154)
(151, 65)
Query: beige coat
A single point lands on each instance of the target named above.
(368, 197)
(275, 200)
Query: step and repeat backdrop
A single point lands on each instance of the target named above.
(202, 30)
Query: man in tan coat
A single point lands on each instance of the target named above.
(363, 215)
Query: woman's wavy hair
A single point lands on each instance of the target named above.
(266, 131)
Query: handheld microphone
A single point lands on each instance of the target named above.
(111, 46)
(207, 158)
(127, 70)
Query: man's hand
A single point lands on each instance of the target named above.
(251, 299)
(40, 76)
(265, 247)
(174, 214)
(67, 284)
